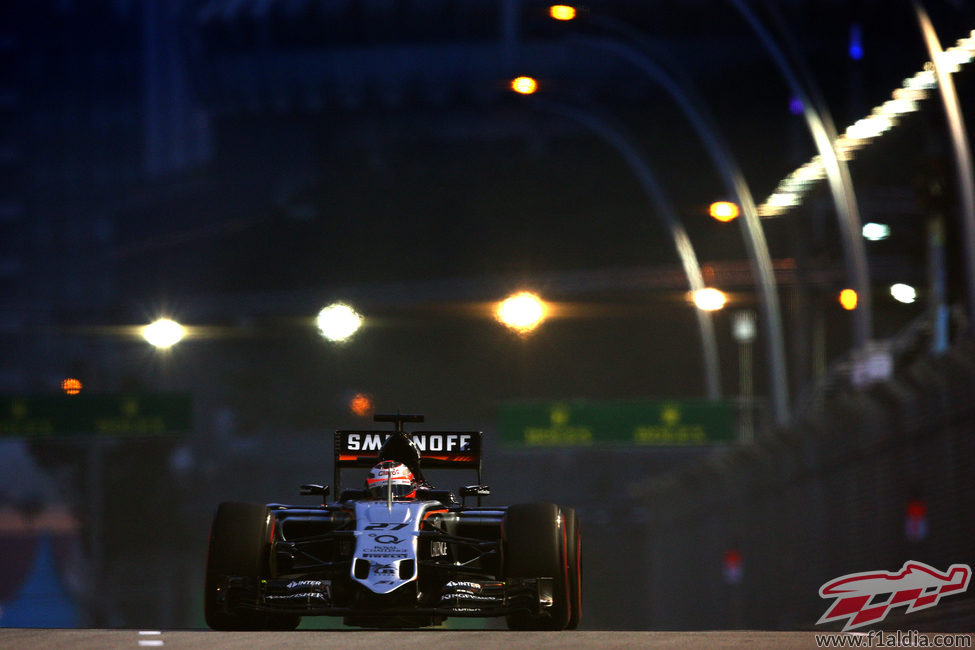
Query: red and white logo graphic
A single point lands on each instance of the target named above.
(866, 598)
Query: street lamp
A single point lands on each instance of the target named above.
(524, 85)
(338, 322)
(523, 312)
(562, 12)
(163, 333)
(875, 231)
(709, 299)
(724, 211)
(904, 293)
(743, 331)
(849, 299)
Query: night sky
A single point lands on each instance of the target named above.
(239, 165)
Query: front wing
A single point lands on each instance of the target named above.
(308, 597)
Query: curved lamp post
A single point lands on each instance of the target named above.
(838, 175)
(963, 158)
(754, 237)
(668, 216)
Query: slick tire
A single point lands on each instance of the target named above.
(535, 546)
(573, 538)
(239, 547)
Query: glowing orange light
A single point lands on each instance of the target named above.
(848, 299)
(361, 405)
(524, 85)
(71, 386)
(724, 210)
(522, 312)
(562, 12)
(709, 299)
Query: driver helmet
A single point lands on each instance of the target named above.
(391, 472)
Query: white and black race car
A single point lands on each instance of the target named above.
(389, 561)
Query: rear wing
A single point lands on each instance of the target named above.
(438, 450)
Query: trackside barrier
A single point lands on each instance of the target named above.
(865, 480)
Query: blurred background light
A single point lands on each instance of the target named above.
(724, 210)
(71, 386)
(904, 293)
(876, 231)
(743, 327)
(848, 299)
(522, 312)
(562, 12)
(163, 333)
(362, 405)
(524, 85)
(709, 299)
(338, 322)
(856, 42)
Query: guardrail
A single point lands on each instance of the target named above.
(866, 480)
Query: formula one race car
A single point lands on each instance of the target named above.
(397, 553)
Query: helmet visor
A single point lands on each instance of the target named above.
(401, 489)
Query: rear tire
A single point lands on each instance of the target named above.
(239, 547)
(573, 537)
(535, 547)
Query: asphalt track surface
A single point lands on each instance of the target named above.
(42, 639)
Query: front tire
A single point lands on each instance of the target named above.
(239, 547)
(535, 546)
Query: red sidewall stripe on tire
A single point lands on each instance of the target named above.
(565, 568)
(578, 570)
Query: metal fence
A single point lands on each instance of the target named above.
(866, 480)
